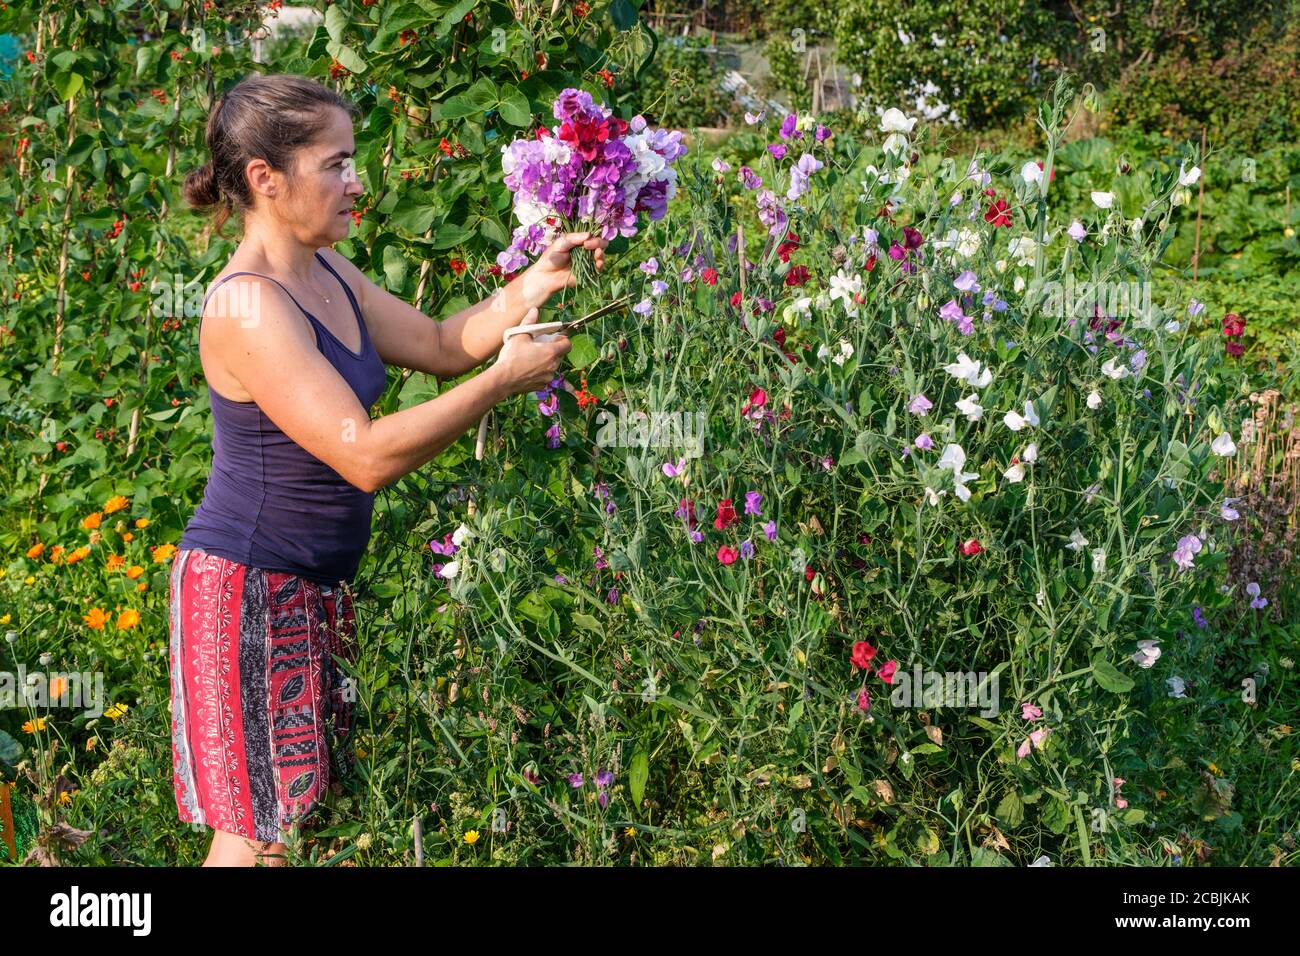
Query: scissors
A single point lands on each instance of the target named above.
(546, 332)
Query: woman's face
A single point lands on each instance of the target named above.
(318, 203)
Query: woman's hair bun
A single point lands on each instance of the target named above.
(200, 188)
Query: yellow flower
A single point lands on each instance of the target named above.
(29, 580)
(115, 561)
(142, 586)
(96, 618)
(35, 550)
(115, 711)
(1215, 770)
(65, 797)
(163, 552)
(31, 728)
(5, 619)
(127, 619)
(128, 536)
(361, 753)
(116, 503)
(91, 521)
(78, 554)
(142, 522)
(134, 571)
(629, 832)
(471, 837)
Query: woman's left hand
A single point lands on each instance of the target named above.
(553, 270)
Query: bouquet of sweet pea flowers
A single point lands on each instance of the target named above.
(593, 172)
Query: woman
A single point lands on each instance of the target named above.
(293, 341)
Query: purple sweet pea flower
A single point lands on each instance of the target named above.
(644, 307)
(769, 529)
(746, 549)
(799, 174)
(966, 282)
(822, 133)
(612, 596)
(601, 563)
(924, 442)
(752, 502)
(920, 404)
(777, 150)
(788, 126)
(697, 536)
(749, 179)
(1199, 618)
(575, 780)
(650, 267)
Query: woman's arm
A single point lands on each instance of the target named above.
(407, 338)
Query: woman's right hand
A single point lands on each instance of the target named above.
(527, 365)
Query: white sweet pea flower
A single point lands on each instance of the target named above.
(1188, 177)
(895, 143)
(1030, 454)
(1077, 541)
(954, 459)
(969, 371)
(720, 165)
(1148, 653)
(1098, 560)
(1172, 326)
(461, 535)
(934, 496)
(1030, 173)
(1177, 686)
(1018, 284)
(1015, 421)
(845, 287)
(895, 121)
(1094, 400)
(1024, 248)
(449, 570)
(846, 350)
(1224, 445)
(971, 408)
(1103, 200)
(1111, 370)
(1135, 227)
(1015, 474)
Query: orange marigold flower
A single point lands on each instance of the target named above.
(35, 550)
(142, 586)
(142, 522)
(128, 536)
(115, 561)
(91, 520)
(96, 618)
(78, 554)
(127, 619)
(134, 571)
(163, 552)
(116, 503)
(32, 726)
(56, 552)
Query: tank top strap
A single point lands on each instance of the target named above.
(259, 275)
(346, 288)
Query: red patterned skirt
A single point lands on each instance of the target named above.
(261, 712)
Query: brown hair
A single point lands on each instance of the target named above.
(264, 116)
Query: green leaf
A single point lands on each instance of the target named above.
(414, 216)
(622, 14)
(927, 749)
(1010, 810)
(68, 85)
(584, 351)
(336, 21)
(588, 622)
(479, 98)
(394, 268)
(514, 109)
(1110, 678)
(145, 58)
(983, 856)
(638, 774)
(347, 56)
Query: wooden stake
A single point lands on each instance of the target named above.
(417, 831)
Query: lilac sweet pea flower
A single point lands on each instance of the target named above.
(747, 549)
(924, 442)
(1188, 547)
(966, 282)
(920, 404)
(658, 287)
(788, 127)
(752, 502)
(1257, 602)
(749, 179)
(769, 529)
(1077, 232)
(799, 174)
(777, 150)
(650, 267)
(644, 307)
(1227, 512)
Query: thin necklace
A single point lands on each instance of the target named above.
(318, 292)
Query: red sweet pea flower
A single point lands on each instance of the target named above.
(735, 298)
(862, 654)
(997, 214)
(726, 515)
(797, 275)
(886, 671)
(1233, 324)
(808, 572)
(864, 699)
(790, 244)
(1236, 349)
(757, 399)
(971, 547)
(727, 554)
(710, 276)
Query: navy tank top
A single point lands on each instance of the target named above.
(271, 504)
